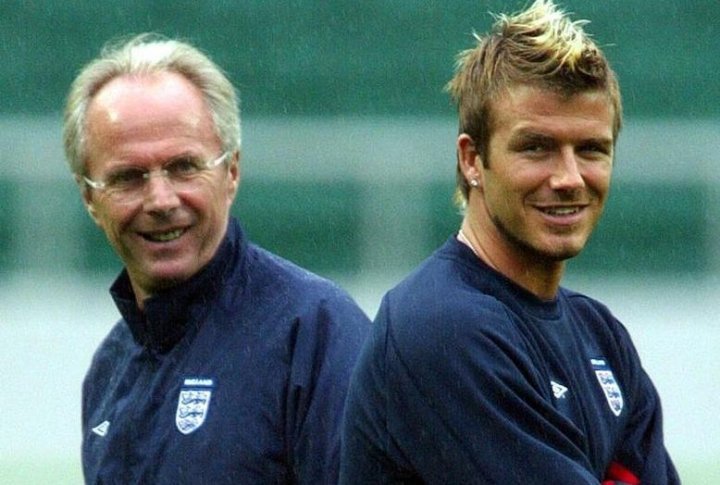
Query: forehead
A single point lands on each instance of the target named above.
(145, 113)
(529, 109)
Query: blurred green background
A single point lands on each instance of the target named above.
(348, 169)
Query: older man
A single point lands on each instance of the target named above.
(230, 364)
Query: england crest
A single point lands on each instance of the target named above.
(609, 385)
(193, 404)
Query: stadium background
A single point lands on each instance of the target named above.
(348, 169)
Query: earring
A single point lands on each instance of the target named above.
(474, 183)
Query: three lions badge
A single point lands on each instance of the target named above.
(609, 385)
(193, 404)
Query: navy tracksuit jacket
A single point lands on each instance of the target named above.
(237, 376)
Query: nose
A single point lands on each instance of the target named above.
(160, 195)
(566, 174)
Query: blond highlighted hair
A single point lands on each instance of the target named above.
(539, 46)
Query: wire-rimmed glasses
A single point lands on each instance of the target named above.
(128, 183)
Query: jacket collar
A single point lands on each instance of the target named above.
(167, 315)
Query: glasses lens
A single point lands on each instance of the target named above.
(125, 180)
(128, 184)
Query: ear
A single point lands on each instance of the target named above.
(234, 176)
(469, 160)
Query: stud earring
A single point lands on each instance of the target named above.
(474, 183)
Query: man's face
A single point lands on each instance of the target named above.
(548, 174)
(166, 233)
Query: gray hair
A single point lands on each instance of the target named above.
(147, 54)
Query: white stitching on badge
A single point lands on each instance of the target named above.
(193, 404)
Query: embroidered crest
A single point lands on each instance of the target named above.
(193, 404)
(609, 385)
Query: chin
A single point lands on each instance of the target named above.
(564, 256)
(563, 253)
(167, 277)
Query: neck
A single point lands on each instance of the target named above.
(538, 275)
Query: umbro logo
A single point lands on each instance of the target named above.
(102, 428)
(559, 391)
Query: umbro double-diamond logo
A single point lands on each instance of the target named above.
(102, 428)
(559, 391)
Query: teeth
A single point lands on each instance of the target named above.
(561, 211)
(164, 237)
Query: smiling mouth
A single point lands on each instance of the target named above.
(561, 211)
(164, 236)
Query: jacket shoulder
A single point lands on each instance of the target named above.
(267, 271)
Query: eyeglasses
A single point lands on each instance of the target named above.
(129, 182)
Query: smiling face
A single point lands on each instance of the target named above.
(547, 176)
(168, 233)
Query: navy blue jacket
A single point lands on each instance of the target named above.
(468, 378)
(238, 375)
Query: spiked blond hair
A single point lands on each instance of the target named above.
(539, 46)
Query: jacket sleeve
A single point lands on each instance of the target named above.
(366, 456)
(642, 450)
(423, 407)
(327, 342)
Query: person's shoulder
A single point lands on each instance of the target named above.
(290, 285)
(437, 304)
(321, 320)
(589, 307)
(118, 341)
(441, 330)
(267, 265)
(111, 352)
(443, 286)
(597, 317)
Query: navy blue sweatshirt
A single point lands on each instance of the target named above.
(468, 378)
(238, 375)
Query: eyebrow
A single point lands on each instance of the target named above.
(525, 135)
(132, 164)
(181, 156)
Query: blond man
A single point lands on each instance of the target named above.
(481, 368)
